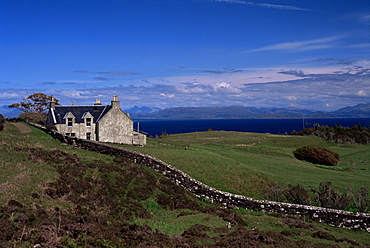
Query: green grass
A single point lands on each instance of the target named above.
(17, 180)
(19, 176)
(168, 221)
(243, 163)
(267, 222)
(236, 162)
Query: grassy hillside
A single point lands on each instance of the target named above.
(244, 163)
(54, 195)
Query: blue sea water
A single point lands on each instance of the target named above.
(273, 126)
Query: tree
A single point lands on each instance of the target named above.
(35, 103)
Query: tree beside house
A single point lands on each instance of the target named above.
(34, 107)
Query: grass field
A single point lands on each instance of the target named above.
(233, 161)
(19, 177)
(244, 163)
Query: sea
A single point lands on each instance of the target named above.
(154, 127)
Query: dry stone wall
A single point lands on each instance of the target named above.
(339, 218)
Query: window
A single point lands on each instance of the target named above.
(70, 122)
(88, 136)
(88, 122)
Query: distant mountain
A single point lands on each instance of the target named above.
(204, 112)
(140, 110)
(359, 111)
(230, 112)
(9, 112)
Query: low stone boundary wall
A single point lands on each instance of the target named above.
(339, 218)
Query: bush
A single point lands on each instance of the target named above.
(338, 134)
(328, 197)
(2, 121)
(292, 193)
(38, 118)
(273, 192)
(297, 194)
(360, 201)
(317, 155)
(324, 196)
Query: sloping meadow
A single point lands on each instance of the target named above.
(258, 165)
(54, 195)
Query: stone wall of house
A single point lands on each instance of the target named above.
(339, 218)
(77, 129)
(110, 127)
(139, 139)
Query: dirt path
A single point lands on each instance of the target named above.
(23, 128)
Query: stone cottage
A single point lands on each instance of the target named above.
(104, 123)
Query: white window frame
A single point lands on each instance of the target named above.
(88, 122)
(70, 122)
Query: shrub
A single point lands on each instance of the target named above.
(338, 134)
(328, 197)
(39, 118)
(292, 193)
(317, 155)
(273, 192)
(324, 196)
(297, 194)
(360, 201)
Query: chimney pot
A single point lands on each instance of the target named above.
(97, 102)
(52, 102)
(115, 102)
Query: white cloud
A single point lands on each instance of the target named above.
(225, 87)
(321, 88)
(299, 46)
(263, 5)
(362, 45)
(291, 98)
(191, 88)
(361, 93)
(6, 95)
(366, 19)
(249, 75)
(167, 95)
(122, 73)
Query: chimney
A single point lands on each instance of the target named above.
(52, 102)
(115, 102)
(97, 102)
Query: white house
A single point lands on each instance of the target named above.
(104, 123)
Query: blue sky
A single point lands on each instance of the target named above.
(169, 53)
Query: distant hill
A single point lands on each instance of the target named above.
(205, 112)
(140, 110)
(9, 112)
(358, 111)
(230, 112)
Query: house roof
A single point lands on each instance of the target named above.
(59, 113)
